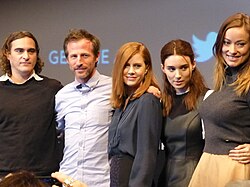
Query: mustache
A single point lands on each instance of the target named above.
(78, 67)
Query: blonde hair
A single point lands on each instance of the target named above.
(242, 84)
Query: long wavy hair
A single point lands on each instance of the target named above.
(196, 84)
(124, 54)
(242, 84)
(5, 63)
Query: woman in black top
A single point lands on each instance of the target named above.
(135, 129)
(184, 89)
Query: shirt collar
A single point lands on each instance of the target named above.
(182, 93)
(6, 77)
(91, 83)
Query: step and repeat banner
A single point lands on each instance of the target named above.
(115, 22)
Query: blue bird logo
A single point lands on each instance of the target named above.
(204, 48)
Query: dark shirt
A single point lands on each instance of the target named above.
(28, 127)
(183, 143)
(135, 132)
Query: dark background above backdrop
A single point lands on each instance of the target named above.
(116, 22)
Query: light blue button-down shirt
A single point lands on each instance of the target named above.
(85, 112)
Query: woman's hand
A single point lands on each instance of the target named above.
(241, 153)
(155, 91)
(62, 178)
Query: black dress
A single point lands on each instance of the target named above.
(183, 143)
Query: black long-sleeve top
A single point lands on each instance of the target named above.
(136, 132)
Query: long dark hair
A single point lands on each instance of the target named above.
(197, 84)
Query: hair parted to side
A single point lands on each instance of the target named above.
(197, 84)
(124, 54)
(242, 84)
(22, 179)
(6, 48)
(79, 34)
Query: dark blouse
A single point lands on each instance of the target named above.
(135, 133)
